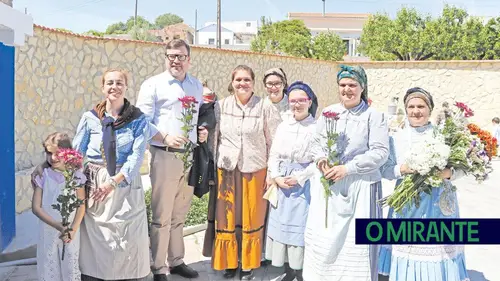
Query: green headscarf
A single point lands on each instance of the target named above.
(357, 73)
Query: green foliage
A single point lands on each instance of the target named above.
(126, 27)
(411, 36)
(288, 37)
(141, 22)
(328, 46)
(167, 19)
(293, 38)
(94, 33)
(64, 29)
(139, 28)
(116, 28)
(143, 34)
(197, 213)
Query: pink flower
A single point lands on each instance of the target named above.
(71, 158)
(187, 101)
(464, 108)
(331, 115)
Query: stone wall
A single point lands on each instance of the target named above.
(476, 83)
(58, 78)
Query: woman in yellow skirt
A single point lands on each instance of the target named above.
(246, 124)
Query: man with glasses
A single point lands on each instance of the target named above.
(171, 196)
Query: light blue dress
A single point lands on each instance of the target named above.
(421, 262)
(292, 154)
(331, 253)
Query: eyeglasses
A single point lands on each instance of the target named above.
(172, 57)
(298, 101)
(270, 85)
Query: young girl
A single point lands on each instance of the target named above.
(51, 236)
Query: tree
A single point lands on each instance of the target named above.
(116, 28)
(288, 37)
(167, 19)
(141, 22)
(143, 34)
(491, 35)
(405, 38)
(94, 33)
(328, 46)
(410, 36)
(293, 38)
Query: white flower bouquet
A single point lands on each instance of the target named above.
(427, 158)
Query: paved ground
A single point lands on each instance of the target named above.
(476, 201)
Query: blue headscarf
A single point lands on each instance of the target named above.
(357, 73)
(299, 85)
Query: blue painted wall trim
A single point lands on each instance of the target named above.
(7, 147)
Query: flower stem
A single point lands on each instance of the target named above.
(326, 213)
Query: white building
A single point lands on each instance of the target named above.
(348, 26)
(234, 35)
(208, 36)
(246, 27)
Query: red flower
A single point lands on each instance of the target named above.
(71, 158)
(331, 115)
(460, 105)
(486, 138)
(187, 101)
(464, 108)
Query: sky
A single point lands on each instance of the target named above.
(83, 15)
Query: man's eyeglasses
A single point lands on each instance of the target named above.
(171, 57)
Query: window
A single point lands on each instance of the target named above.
(346, 42)
(226, 41)
(211, 41)
(249, 24)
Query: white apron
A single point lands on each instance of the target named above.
(114, 233)
(331, 253)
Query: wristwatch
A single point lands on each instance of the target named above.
(112, 182)
(164, 139)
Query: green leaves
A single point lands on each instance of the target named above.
(293, 38)
(328, 46)
(167, 19)
(413, 36)
(139, 28)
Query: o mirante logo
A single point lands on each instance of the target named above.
(427, 231)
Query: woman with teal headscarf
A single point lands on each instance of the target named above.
(363, 147)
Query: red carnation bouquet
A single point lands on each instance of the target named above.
(68, 201)
(188, 111)
(331, 119)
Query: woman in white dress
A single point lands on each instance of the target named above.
(291, 164)
(363, 147)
